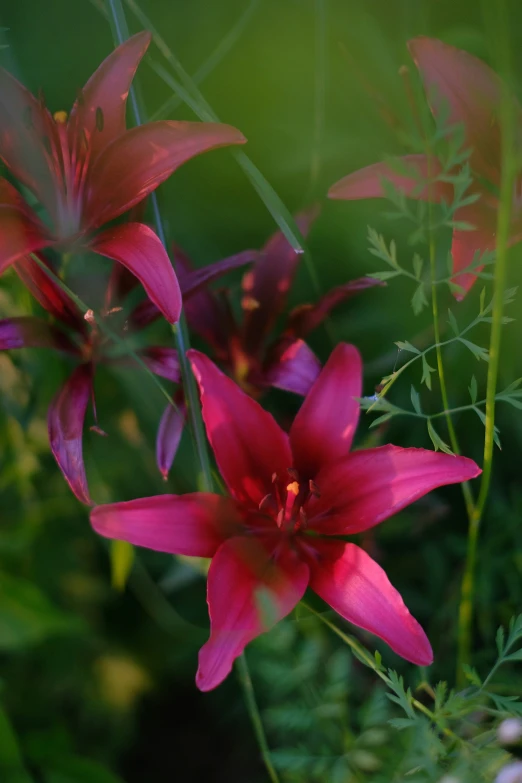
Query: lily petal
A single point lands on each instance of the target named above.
(466, 243)
(194, 524)
(29, 332)
(366, 487)
(156, 150)
(467, 86)
(359, 590)
(193, 281)
(49, 295)
(138, 248)
(26, 129)
(100, 109)
(266, 285)
(247, 593)
(169, 435)
(21, 230)
(367, 182)
(203, 311)
(304, 319)
(163, 361)
(292, 366)
(248, 444)
(65, 422)
(324, 428)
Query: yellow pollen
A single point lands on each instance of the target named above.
(249, 303)
(60, 117)
(293, 488)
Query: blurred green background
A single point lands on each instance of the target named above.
(98, 684)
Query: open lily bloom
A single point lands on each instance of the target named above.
(291, 499)
(460, 82)
(88, 170)
(246, 349)
(81, 337)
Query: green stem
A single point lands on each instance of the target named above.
(466, 489)
(181, 338)
(503, 226)
(255, 716)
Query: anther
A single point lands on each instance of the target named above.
(248, 303)
(60, 117)
(89, 317)
(265, 502)
(293, 488)
(314, 489)
(98, 431)
(292, 472)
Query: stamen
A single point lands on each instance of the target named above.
(60, 117)
(249, 303)
(293, 488)
(314, 489)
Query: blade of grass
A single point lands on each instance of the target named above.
(120, 32)
(214, 59)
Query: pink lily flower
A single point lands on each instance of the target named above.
(81, 337)
(244, 348)
(88, 170)
(467, 86)
(292, 498)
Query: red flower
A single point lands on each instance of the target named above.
(88, 170)
(80, 337)
(244, 348)
(292, 498)
(456, 80)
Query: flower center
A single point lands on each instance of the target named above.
(287, 501)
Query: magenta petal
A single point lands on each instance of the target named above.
(138, 248)
(248, 444)
(367, 182)
(162, 361)
(194, 524)
(306, 318)
(359, 590)
(134, 164)
(29, 332)
(293, 366)
(247, 593)
(65, 420)
(472, 92)
(169, 434)
(465, 244)
(193, 281)
(47, 293)
(20, 229)
(266, 285)
(324, 428)
(366, 487)
(100, 111)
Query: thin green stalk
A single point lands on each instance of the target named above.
(466, 489)
(500, 268)
(181, 338)
(255, 717)
(214, 59)
(319, 89)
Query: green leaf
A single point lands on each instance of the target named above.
(426, 372)
(383, 275)
(438, 443)
(453, 323)
(380, 420)
(12, 767)
(496, 432)
(417, 266)
(406, 346)
(473, 390)
(402, 723)
(415, 400)
(500, 640)
(418, 300)
(471, 675)
(28, 617)
(516, 656)
(477, 350)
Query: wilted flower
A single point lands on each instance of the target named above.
(293, 499)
